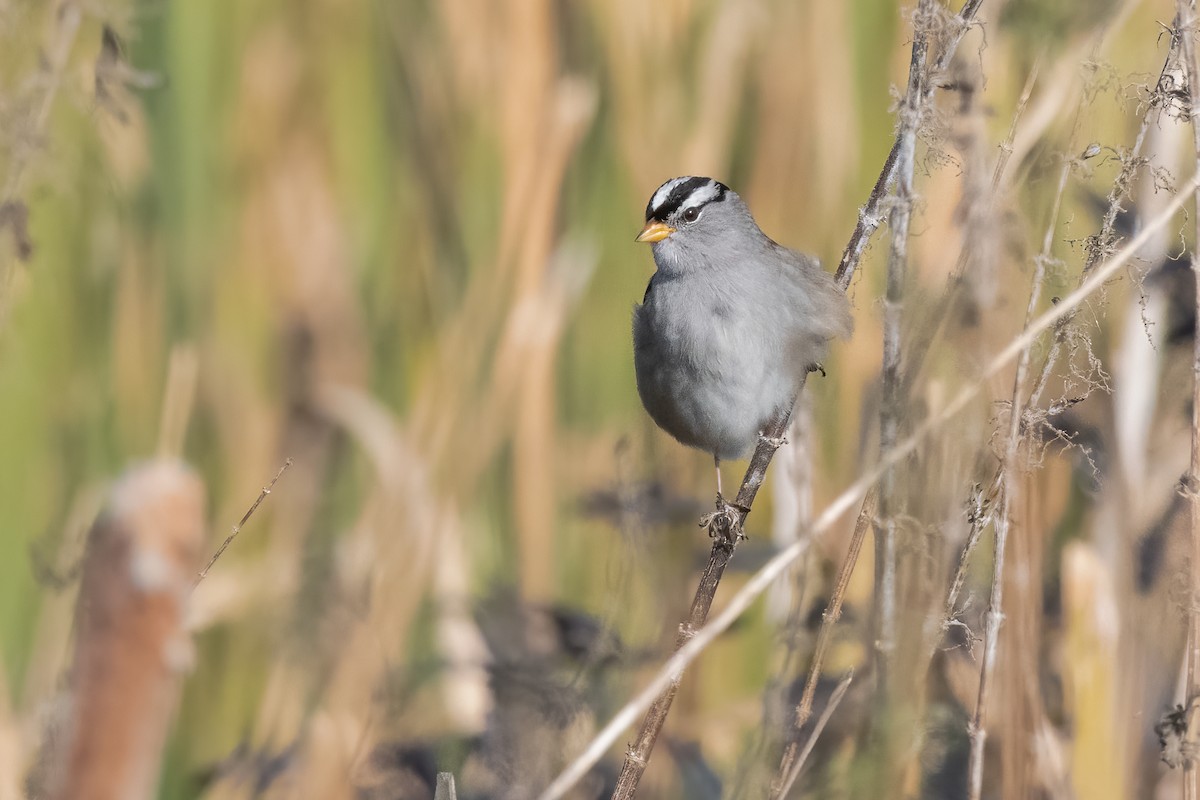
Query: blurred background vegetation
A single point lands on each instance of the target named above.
(393, 241)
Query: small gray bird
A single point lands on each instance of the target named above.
(731, 321)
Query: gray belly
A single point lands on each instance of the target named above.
(714, 389)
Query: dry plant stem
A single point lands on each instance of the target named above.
(726, 527)
(980, 518)
(445, 787)
(1186, 35)
(870, 215)
(977, 730)
(833, 612)
(245, 518)
(834, 699)
(891, 407)
(1121, 188)
(921, 348)
(130, 641)
(68, 17)
(759, 581)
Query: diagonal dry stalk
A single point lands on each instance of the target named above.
(233, 534)
(725, 526)
(1008, 486)
(854, 494)
(792, 757)
(1185, 34)
(794, 769)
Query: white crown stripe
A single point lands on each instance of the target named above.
(701, 195)
(664, 192)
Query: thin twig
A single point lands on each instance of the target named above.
(245, 518)
(833, 612)
(1008, 486)
(1186, 32)
(979, 516)
(853, 494)
(870, 216)
(726, 529)
(834, 699)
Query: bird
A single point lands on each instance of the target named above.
(731, 321)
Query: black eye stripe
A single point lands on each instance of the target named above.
(679, 196)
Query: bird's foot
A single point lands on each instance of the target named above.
(725, 523)
(818, 367)
(776, 442)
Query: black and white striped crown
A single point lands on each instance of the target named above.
(683, 193)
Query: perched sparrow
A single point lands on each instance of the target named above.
(731, 321)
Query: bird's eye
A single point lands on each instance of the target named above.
(691, 215)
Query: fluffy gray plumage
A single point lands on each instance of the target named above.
(730, 323)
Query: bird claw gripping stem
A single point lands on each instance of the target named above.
(725, 523)
(776, 442)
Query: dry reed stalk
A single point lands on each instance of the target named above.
(911, 114)
(797, 764)
(571, 109)
(49, 653)
(544, 117)
(791, 506)
(130, 644)
(1091, 644)
(870, 216)
(458, 435)
(1185, 34)
(725, 526)
(266, 490)
(1022, 709)
(983, 208)
(182, 373)
(762, 579)
(833, 612)
(977, 730)
(390, 569)
(445, 787)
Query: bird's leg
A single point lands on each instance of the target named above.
(726, 522)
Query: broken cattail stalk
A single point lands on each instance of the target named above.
(130, 643)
